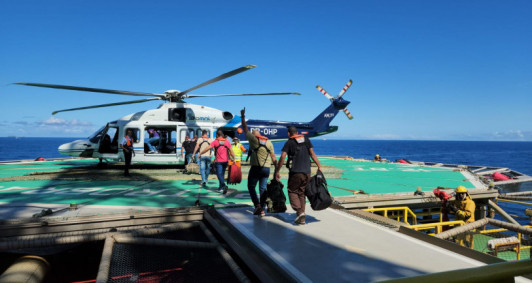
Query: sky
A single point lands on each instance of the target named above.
(421, 70)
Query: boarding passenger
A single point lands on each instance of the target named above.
(188, 146)
(261, 159)
(204, 158)
(238, 148)
(196, 156)
(299, 150)
(127, 147)
(463, 208)
(153, 140)
(250, 151)
(223, 150)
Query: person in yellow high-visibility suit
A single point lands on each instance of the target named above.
(238, 148)
(463, 208)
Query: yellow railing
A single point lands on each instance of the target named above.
(405, 210)
(438, 227)
(519, 237)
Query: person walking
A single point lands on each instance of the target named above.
(238, 148)
(188, 146)
(299, 150)
(223, 150)
(261, 160)
(205, 158)
(127, 147)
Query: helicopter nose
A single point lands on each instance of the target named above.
(75, 148)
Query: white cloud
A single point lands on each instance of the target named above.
(57, 125)
(513, 135)
(48, 128)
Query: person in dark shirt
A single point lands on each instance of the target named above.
(188, 146)
(299, 150)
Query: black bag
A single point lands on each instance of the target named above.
(317, 192)
(274, 197)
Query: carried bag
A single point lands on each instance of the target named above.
(317, 192)
(192, 168)
(234, 174)
(274, 197)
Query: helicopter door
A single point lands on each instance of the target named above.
(108, 144)
(183, 133)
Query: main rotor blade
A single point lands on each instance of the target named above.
(79, 88)
(242, 94)
(345, 88)
(106, 105)
(220, 77)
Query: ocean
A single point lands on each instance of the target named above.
(513, 155)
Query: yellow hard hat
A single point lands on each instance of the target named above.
(461, 189)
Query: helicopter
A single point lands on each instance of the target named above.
(176, 119)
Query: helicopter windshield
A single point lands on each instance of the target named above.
(94, 138)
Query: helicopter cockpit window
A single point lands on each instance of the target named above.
(95, 138)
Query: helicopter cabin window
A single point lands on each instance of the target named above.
(199, 131)
(136, 134)
(161, 140)
(183, 133)
(177, 114)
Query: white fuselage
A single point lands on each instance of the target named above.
(172, 122)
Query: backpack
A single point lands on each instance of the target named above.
(317, 192)
(262, 143)
(298, 153)
(221, 142)
(274, 197)
(204, 140)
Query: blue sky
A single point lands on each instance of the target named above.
(430, 70)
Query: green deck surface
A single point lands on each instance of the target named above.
(373, 178)
(383, 178)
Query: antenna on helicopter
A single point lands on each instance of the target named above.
(338, 98)
(169, 95)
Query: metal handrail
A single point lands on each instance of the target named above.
(405, 209)
(438, 227)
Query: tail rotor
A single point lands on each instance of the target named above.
(346, 87)
(325, 93)
(338, 101)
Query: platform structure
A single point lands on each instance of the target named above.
(47, 199)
